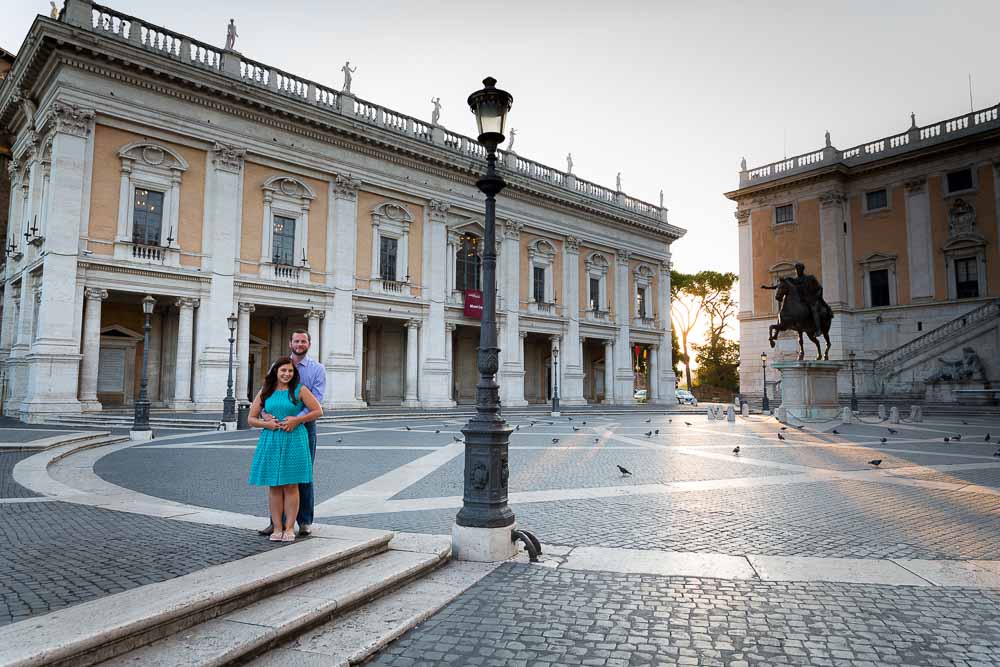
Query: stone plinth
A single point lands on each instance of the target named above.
(809, 389)
(946, 392)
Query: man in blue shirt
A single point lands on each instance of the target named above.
(312, 375)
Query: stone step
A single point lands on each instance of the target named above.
(42, 444)
(354, 637)
(245, 632)
(112, 626)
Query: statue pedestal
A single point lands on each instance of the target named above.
(809, 390)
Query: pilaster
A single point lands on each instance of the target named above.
(243, 351)
(919, 240)
(511, 374)
(624, 379)
(91, 348)
(435, 369)
(411, 398)
(570, 361)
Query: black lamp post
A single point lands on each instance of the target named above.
(487, 435)
(763, 366)
(854, 396)
(140, 419)
(229, 403)
(555, 382)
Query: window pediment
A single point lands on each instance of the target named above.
(153, 155)
(966, 241)
(541, 249)
(392, 212)
(876, 258)
(596, 263)
(289, 187)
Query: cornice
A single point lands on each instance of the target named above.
(294, 117)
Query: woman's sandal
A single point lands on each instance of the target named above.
(276, 536)
(288, 536)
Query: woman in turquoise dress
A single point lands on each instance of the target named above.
(281, 461)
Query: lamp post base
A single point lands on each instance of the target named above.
(140, 435)
(229, 426)
(482, 545)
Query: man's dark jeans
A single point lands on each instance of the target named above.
(305, 517)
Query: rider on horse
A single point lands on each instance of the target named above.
(810, 291)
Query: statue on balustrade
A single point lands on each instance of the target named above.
(802, 309)
(348, 71)
(436, 114)
(967, 369)
(55, 10)
(510, 144)
(231, 35)
(569, 163)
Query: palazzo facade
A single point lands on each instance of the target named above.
(145, 162)
(904, 234)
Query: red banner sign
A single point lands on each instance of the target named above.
(474, 304)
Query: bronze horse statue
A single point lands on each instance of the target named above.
(797, 315)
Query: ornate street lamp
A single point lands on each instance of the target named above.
(484, 525)
(854, 396)
(140, 419)
(763, 365)
(229, 403)
(555, 382)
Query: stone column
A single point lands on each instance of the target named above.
(835, 269)
(745, 233)
(223, 215)
(375, 254)
(571, 360)
(54, 360)
(511, 373)
(623, 374)
(666, 380)
(185, 350)
(313, 320)
(243, 351)
(449, 335)
(609, 371)
(919, 241)
(359, 352)
(435, 371)
(410, 397)
(653, 392)
(342, 358)
(91, 347)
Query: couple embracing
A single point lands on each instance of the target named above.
(286, 408)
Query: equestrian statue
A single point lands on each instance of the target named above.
(802, 309)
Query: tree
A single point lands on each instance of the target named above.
(718, 362)
(675, 351)
(693, 295)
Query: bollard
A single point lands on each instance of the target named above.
(916, 413)
(893, 415)
(730, 414)
(781, 414)
(242, 416)
(881, 411)
(709, 412)
(745, 409)
(846, 416)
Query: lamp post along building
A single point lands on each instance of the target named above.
(903, 233)
(147, 162)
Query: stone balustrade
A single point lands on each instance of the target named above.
(913, 139)
(117, 25)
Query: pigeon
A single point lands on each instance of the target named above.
(947, 439)
(801, 428)
(575, 429)
(408, 428)
(957, 437)
(597, 439)
(781, 437)
(517, 428)
(736, 450)
(584, 423)
(657, 431)
(555, 440)
(893, 431)
(648, 420)
(881, 439)
(339, 440)
(456, 438)
(624, 471)
(569, 418)
(987, 438)
(649, 434)
(532, 424)
(965, 423)
(687, 423)
(996, 453)
(437, 430)
(875, 462)
(670, 421)
(835, 432)
(784, 428)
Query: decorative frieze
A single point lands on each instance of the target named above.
(227, 157)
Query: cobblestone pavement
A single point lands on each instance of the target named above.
(530, 615)
(55, 554)
(8, 487)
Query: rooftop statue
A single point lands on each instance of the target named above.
(510, 144)
(348, 71)
(231, 35)
(618, 182)
(569, 163)
(436, 114)
(55, 9)
(802, 309)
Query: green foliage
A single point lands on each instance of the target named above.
(718, 363)
(694, 294)
(675, 352)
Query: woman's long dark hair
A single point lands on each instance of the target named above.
(271, 381)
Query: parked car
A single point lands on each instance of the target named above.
(685, 397)
(640, 396)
